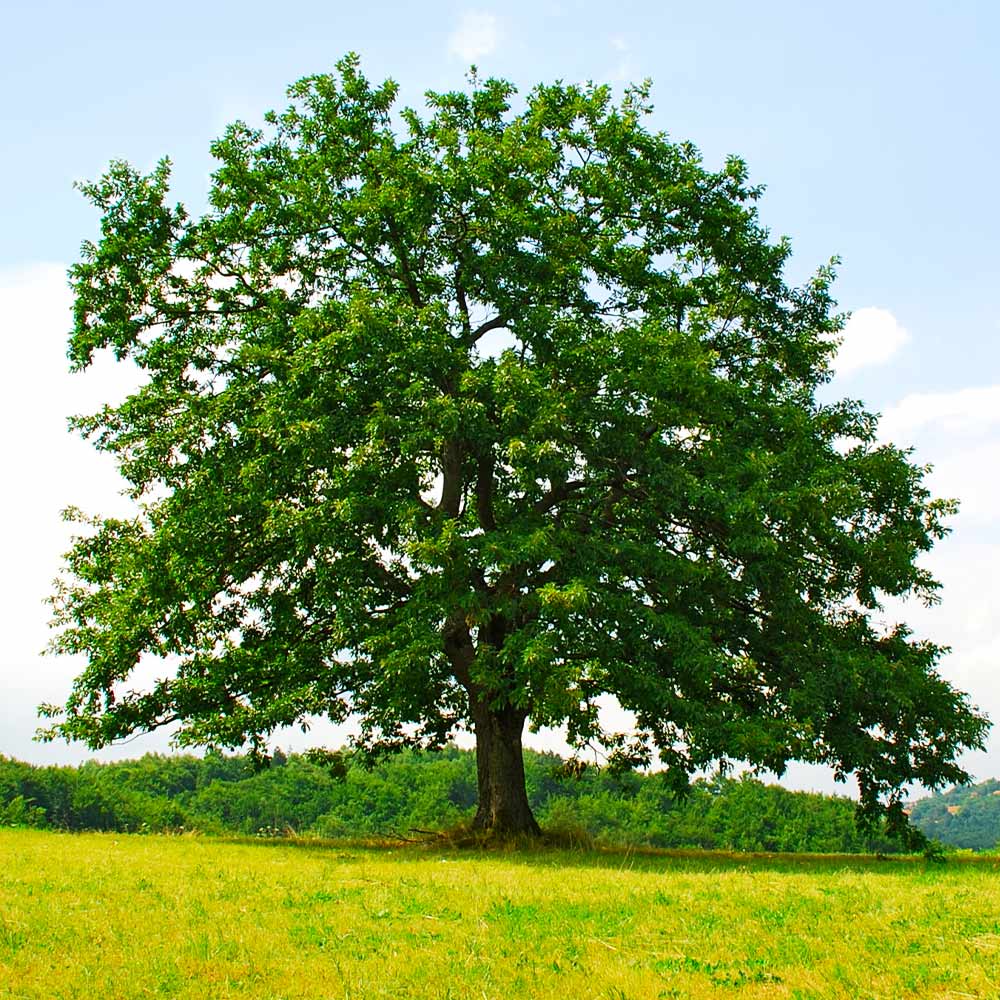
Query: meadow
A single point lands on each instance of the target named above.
(117, 917)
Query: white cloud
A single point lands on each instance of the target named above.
(477, 34)
(975, 411)
(871, 337)
(972, 476)
(959, 434)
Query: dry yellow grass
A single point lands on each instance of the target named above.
(117, 917)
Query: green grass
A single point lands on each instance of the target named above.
(116, 917)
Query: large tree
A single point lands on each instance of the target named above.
(470, 419)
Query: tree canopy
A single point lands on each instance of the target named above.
(473, 418)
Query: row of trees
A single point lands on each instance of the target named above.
(425, 791)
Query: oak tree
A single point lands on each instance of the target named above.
(470, 419)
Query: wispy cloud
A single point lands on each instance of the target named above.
(477, 35)
(958, 433)
(872, 336)
(624, 71)
(975, 409)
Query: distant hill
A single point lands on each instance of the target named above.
(962, 817)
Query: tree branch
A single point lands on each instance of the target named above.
(404, 263)
(558, 493)
(497, 323)
(484, 492)
(458, 648)
(451, 489)
(463, 305)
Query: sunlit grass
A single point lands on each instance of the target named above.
(118, 917)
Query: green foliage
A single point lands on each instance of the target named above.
(422, 791)
(967, 816)
(19, 811)
(348, 503)
(132, 795)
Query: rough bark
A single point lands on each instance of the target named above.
(503, 800)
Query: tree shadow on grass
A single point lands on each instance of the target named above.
(645, 859)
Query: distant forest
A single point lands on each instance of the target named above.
(435, 791)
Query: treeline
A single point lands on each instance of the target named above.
(426, 791)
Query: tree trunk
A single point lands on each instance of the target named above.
(503, 800)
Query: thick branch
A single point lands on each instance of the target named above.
(497, 323)
(459, 649)
(451, 489)
(401, 589)
(463, 305)
(558, 493)
(484, 493)
(404, 263)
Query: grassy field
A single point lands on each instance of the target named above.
(115, 917)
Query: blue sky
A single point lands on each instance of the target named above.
(872, 125)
